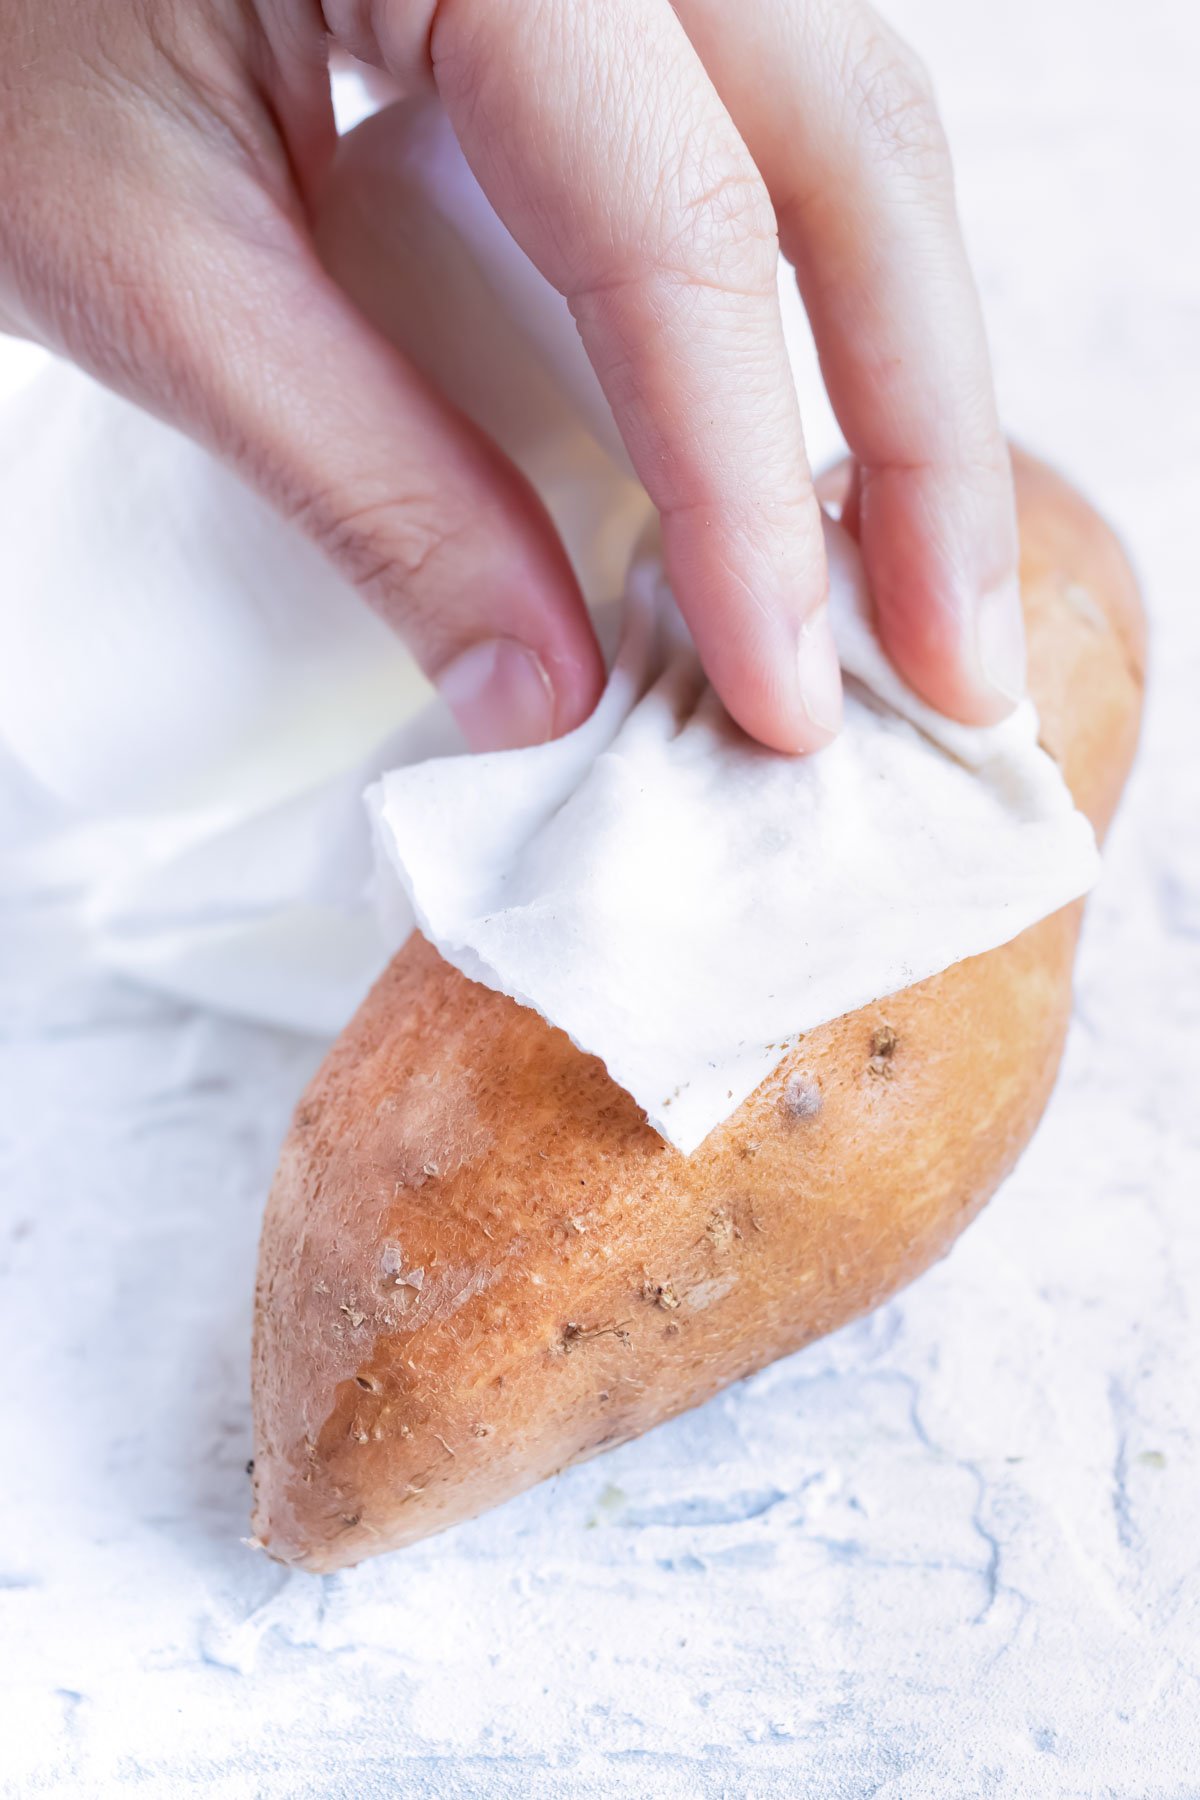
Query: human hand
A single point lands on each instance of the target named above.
(159, 169)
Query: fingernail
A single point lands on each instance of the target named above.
(820, 672)
(500, 694)
(1000, 632)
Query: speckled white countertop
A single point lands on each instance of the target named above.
(952, 1551)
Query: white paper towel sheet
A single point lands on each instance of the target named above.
(191, 704)
(685, 903)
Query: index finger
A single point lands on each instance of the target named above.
(841, 119)
(604, 147)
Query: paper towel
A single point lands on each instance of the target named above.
(684, 903)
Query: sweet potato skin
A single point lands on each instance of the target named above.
(479, 1264)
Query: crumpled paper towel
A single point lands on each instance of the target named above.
(191, 704)
(684, 903)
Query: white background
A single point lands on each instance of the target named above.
(952, 1551)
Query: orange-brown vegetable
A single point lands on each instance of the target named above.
(480, 1264)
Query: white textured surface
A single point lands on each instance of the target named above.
(952, 1551)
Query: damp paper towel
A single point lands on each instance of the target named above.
(684, 903)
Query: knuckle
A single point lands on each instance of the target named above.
(390, 548)
(710, 228)
(894, 101)
(723, 232)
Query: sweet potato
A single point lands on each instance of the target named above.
(479, 1264)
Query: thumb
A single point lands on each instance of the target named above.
(241, 338)
(417, 508)
(420, 511)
